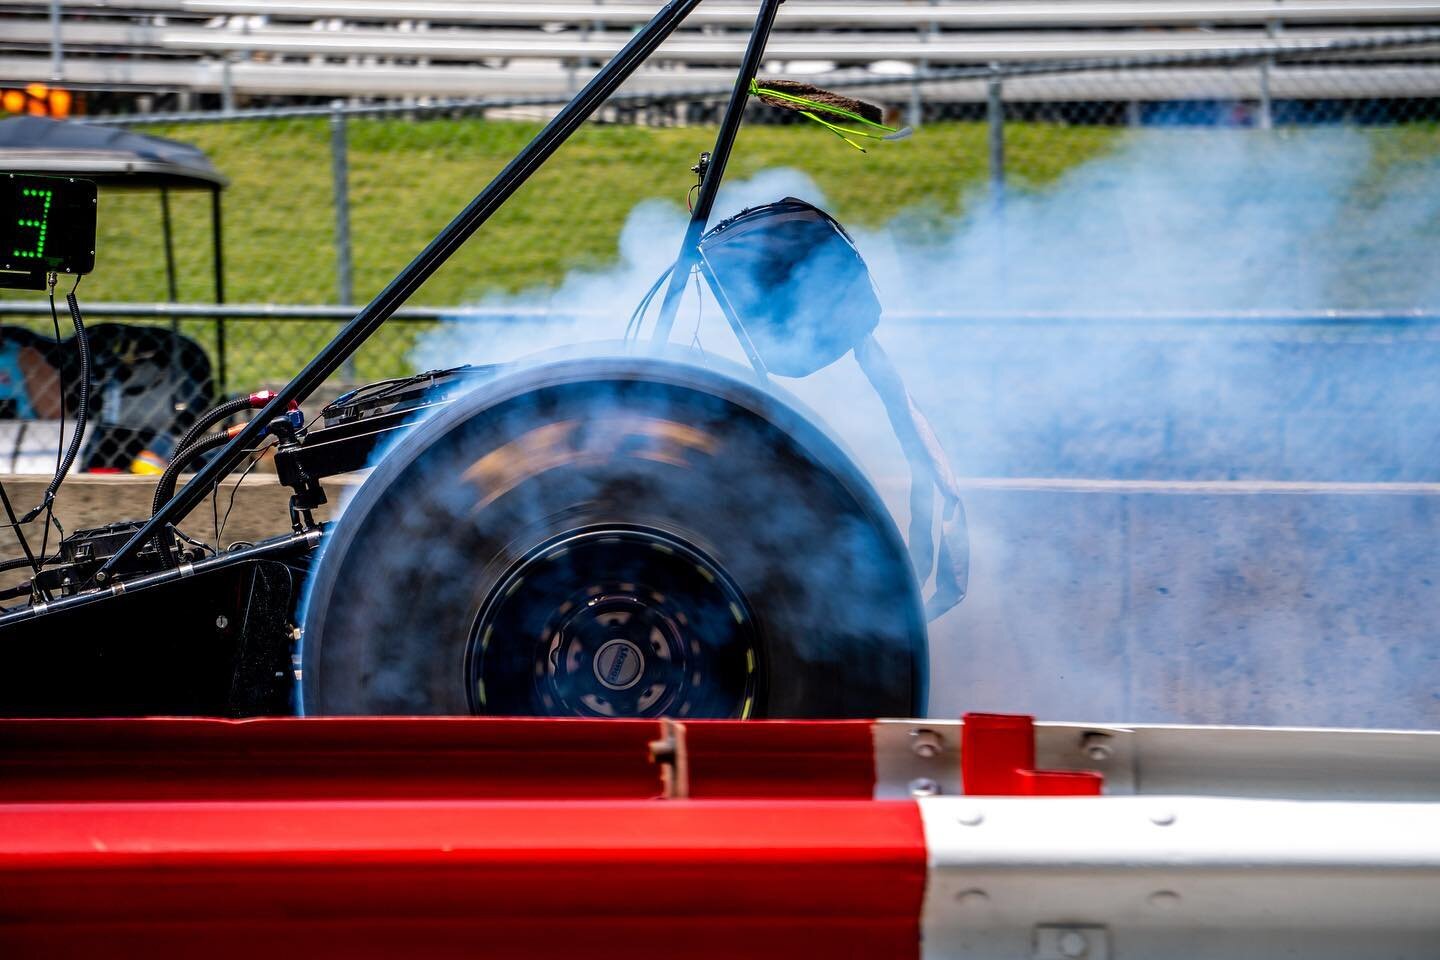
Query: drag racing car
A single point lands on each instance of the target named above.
(634, 530)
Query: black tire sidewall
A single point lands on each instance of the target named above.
(768, 498)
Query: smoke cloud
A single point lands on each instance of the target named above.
(1198, 230)
(1209, 224)
(1191, 221)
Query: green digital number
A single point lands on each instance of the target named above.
(42, 200)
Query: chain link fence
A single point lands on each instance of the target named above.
(325, 204)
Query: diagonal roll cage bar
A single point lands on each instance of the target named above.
(715, 172)
(455, 233)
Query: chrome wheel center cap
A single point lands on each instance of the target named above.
(619, 664)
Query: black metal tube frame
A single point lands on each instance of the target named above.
(279, 548)
(450, 239)
(689, 254)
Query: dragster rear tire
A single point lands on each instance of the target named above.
(627, 536)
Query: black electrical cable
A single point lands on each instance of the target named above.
(17, 562)
(637, 318)
(368, 391)
(14, 524)
(206, 420)
(220, 528)
(166, 487)
(192, 541)
(61, 465)
(46, 502)
(82, 409)
(62, 468)
(24, 588)
(60, 443)
(699, 313)
(380, 389)
(82, 342)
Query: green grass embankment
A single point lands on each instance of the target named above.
(407, 178)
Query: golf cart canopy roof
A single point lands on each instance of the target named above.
(111, 156)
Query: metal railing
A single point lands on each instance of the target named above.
(809, 13)
(475, 45)
(469, 313)
(326, 48)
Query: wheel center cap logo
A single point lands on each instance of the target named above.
(618, 664)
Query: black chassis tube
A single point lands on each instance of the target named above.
(715, 172)
(439, 250)
(290, 545)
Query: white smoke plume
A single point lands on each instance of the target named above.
(1176, 221)
(1208, 224)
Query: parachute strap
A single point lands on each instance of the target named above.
(930, 473)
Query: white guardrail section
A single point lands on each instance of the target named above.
(1180, 877)
(1275, 763)
(1211, 842)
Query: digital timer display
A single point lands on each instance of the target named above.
(47, 225)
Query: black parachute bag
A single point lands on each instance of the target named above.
(793, 282)
(800, 297)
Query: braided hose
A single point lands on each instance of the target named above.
(220, 412)
(183, 458)
(194, 443)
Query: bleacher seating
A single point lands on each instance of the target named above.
(448, 48)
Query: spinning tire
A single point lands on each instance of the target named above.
(615, 537)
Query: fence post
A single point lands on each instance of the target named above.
(217, 252)
(227, 85)
(916, 105)
(57, 45)
(917, 102)
(340, 177)
(173, 293)
(1266, 119)
(995, 120)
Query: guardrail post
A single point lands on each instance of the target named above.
(340, 177)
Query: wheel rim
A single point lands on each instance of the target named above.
(615, 622)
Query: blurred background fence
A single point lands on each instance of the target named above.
(345, 149)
